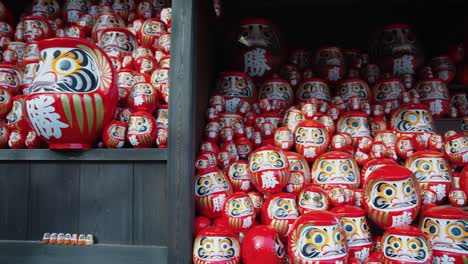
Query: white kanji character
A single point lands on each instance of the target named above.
(247, 222)
(439, 189)
(334, 74)
(403, 65)
(256, 62)
(404, 219)
(465, 157)
(139, 100)
(443, 75)
(436, 107)
(218, 202)
(309, 152)
(444, 260)
(133, 140)
(269, 180)
(245, 185)
(362, 254)
(43, 117)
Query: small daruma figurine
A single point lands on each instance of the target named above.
(234, 87)
(356, 226)
(311, 139)
(216, 245)
(239, 212)
(354, 123)
(432, 171)
(74, 94)
(262, 243)
(278, 92)
(280, 212)
(446, 229)
(211, 190)
(114, 134)
(269, 168)
(142, 130)
(354, 88)
(143, 97)
(434, 93)
(313, 88)
(388, 90)
(411, 120)
(456, 149)
(239, 176)
(336, 168)
(318, 238)
(329, 64)
(392, 196)
(406, 244)
(312, 198)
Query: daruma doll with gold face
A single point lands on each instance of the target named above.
(411, 120)
(142, 130)
(392, 196)
(269, 168)
(234, 87)
(280, 212)
(311, 139)
(354, 123)
(211, 191)
(73, 95)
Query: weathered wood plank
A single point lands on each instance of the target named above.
(14, 187)
(150, 212)
(54, 198)
(90, 155)
(181, 132)
(106, 201)
(20, 252)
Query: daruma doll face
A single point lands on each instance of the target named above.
(73, 94)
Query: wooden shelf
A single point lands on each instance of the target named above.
(150, 154)
(35, 252)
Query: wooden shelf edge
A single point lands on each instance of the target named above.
(152, 154)
(36, 252)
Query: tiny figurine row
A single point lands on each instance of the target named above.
(85, 74)
(68, 239)
(336, 161)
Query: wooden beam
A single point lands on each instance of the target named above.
(181, 133)
(91, 154)
(25, 252)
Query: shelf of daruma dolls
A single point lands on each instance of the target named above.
(36, 252)
(147, 154)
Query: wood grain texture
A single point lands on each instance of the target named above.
(443, 125)
(149, 154)
(181, 126)
(14, 187)
(106, 201)
(20, 252)
(54, 198)
(150, 214)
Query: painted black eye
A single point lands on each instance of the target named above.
(65, 65)
(348, 228)
(455, 231)
(432, 229)
(318, 239)
(396, 245)
(389, 192)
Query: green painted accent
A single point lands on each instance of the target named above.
(89, 112)
(78, 111)
(465, 260)
(99, 111)
(67, 109)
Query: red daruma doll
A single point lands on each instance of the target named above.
(73, 95)
(262, 243)
(216, 245)
(318, 238)
(406, 244)
(280, 212)
(269, 168)
(311, 139)
(239, 212)
(211, 191)
(392, 196)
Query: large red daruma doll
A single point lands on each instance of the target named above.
(317, 237)
(269, 169)
(446, 228)
(311, 139)
(216, 245)
(74, 94)
(212, 189)
(391, 196)
(407, 245)
(411, 120)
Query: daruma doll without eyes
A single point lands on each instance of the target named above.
(74, 94)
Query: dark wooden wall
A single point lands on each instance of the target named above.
(118, 202)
